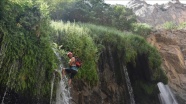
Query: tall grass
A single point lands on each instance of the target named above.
(76, 39)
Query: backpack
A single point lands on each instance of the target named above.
(78, 62)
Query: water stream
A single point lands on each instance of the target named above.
(62, 91)
(166, 96)
(52, 87)
(111, 61)
(132, 101)
(129, 86)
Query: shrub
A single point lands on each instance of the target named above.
(182, 25)
(169, 25)
(142, 29)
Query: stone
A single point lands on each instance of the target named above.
(156, 15)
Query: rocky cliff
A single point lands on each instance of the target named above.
(155, 15)
(172, 47)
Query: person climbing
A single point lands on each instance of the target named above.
(72, 69)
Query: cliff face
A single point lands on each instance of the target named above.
(171, 44)
(111, 88)
(172, 47)
(156, 15)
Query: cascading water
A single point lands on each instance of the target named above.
(132, 101)
(111, 60)
(166, 96)
(52, 87)
(129, 86)
(62, 91)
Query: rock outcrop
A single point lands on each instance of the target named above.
(156, 15)
(172, 47)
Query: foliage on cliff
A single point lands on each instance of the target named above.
(26, 58)
(132, 45)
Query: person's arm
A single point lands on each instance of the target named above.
(72, 60)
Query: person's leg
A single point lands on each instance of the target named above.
(73, 73)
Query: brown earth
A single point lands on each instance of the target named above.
(172, 47)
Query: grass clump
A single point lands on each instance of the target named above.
(141, 29)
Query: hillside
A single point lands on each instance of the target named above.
(156, 15)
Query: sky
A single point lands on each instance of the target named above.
(124, 2)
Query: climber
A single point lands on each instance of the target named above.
(72, 69)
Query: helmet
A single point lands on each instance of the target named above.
(69, 53)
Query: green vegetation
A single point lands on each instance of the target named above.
(171, 26)
(141, 29)
(182, 25)
(26, 59)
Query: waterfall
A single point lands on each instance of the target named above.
(111, 60)
(52, 87)
(129, 86)
(132, 101)
(166, 96)
(62, 91)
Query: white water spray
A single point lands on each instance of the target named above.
(129, 86)
(63, 91)
(52, 87)
(166, 96)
